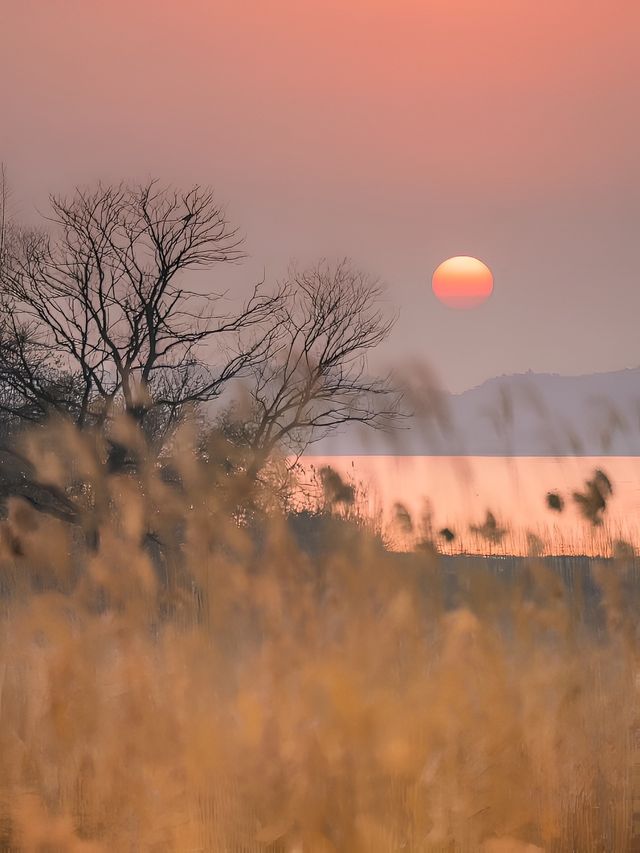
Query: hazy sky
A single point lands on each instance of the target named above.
(398, 132)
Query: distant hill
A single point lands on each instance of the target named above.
(529, 414)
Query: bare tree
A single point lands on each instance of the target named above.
(4, 194)
(313, 377)
(101, 306)
(18, 356)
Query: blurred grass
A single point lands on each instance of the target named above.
(178, 672)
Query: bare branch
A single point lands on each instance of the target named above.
(313, 377)
(103, 298)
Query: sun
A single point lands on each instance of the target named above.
(462, 282)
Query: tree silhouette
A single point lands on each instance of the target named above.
(313, 376)
(98, 315)
(105, 313)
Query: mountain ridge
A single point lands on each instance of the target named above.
(521, 414)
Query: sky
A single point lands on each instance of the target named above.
(395, 132)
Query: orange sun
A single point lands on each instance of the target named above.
(462, 282)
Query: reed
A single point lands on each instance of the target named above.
(178, 672)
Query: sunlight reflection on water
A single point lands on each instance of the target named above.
(459, 490)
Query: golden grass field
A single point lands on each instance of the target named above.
(189, 678)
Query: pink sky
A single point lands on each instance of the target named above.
(399, 132)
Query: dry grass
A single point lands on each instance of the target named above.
(188, 685)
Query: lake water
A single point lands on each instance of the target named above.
(458, 491)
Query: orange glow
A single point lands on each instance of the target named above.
(462, 282)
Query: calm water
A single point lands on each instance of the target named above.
(458, 491)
